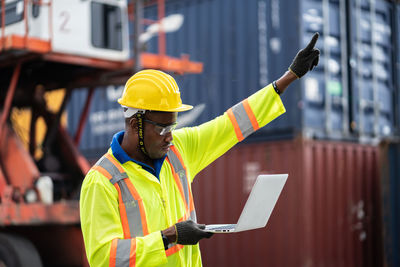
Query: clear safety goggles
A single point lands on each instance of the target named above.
(162, 129)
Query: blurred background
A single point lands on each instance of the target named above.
(63, 65)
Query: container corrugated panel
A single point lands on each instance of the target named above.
(328, 213)
(390, 181)
(105, 118)
(371, 60)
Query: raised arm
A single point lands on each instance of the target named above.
(305, 60)
(203, 144)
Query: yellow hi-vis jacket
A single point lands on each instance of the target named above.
(124, 207)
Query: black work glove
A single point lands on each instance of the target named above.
(190, 233)
(306, 59)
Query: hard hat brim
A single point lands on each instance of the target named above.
(182, 107)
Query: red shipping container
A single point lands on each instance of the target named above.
(327, 215)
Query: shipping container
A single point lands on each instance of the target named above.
(328, 213)
(390, 184)
(371, 61)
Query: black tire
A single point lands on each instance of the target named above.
(16, 251)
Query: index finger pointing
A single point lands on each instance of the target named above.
(313, 41)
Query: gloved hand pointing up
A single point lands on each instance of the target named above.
(306, 59)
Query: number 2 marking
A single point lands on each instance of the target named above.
(65, 16)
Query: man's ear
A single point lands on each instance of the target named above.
(133, 124)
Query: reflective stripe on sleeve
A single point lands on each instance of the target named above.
(113, 252)
(123, 253)
(243, 120)
(173, 249)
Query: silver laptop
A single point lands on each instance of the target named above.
(259, 205)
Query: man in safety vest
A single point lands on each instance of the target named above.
(136, 202)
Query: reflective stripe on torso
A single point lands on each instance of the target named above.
(180, 175)
(132, 212)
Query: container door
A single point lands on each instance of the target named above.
(371, 61)
(325, 88)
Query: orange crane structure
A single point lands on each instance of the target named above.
(47, 45)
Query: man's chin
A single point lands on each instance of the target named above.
(158, 155)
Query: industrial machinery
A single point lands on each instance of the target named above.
(47, 45)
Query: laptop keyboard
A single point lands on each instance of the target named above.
(222, 227)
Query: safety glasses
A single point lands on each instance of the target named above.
(161, 129)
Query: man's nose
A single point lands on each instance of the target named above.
(168, 137)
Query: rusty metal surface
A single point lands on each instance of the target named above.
(63, 213)
(18, 166)
(327, 215)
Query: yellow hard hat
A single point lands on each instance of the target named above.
(152, 90)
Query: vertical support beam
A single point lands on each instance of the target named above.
(327, 76)
(375, 86)
(138, 18)
(9, 97)
(84, 115)
(358, 82)
(3, 24)
(161, 33)
(26, 23)
(344, 64)
(396, 71)
(3, 182)
(53, 128)
(50, 7)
